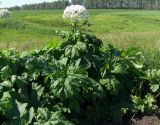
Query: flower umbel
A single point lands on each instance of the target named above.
(75, 12)
(4, 13)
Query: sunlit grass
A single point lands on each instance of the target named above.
(26, 30)
(122, 28)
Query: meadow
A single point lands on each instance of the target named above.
(26, 30)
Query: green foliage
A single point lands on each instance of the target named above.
(75, 83)
(145, 104)
(45, 117)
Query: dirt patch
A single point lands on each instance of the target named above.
(145, 120)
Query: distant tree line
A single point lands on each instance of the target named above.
(59, 4)
(94, 4)
(130, 4)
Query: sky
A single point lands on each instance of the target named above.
(10, 3)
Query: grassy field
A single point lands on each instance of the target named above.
(26, 30)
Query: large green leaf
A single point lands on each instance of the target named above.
(24, 116)
(111, 84)
(5, 73)
(155, 87)
(7, 85)
(46, 117)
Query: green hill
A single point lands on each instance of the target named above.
(31, 29)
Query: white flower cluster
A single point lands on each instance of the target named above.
(75, 12)
(4, 13)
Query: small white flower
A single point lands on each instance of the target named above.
(4, 13)
(75, 12)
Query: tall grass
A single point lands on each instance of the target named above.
(26, 30)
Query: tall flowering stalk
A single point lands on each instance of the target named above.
(75, 13)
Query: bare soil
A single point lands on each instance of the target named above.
(144, 120)
(147, 120)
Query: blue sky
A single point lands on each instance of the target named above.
(10, 3)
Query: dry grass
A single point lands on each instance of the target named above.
(145, 40)
(23, 46)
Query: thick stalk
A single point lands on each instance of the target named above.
(74, 26)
